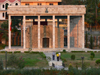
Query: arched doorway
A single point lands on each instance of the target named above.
(45, 42)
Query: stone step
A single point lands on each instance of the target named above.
(56, 63)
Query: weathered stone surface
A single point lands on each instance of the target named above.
(58, 9)
(77, 34)
(49, 31)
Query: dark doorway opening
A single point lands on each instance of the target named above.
(45, 42)
(65, 41)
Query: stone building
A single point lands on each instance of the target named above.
(3, 7)
(40, 35)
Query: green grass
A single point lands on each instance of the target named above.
(78, 60)
(31, 60)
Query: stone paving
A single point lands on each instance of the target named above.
(57, 64)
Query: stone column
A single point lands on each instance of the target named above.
(9, 22)
(38, 31)
(83, 39)
(53, 31)
(68, 31)
(24, 37)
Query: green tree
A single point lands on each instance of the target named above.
(15, 23)
(73, 2)
(4, 25)
(91, 11)
(91, 42)
(86, 40)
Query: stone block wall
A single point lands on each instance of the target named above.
(76, 33)
(45, 32)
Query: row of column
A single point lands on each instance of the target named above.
(68, 31)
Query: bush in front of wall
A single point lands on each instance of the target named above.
(64, 50)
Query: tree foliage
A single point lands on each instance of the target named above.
(92, 16)
(91, 42)
(4, 25)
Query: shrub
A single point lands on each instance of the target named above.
(1, 65)
(42, 54)
(92, 53)
(9, 52)
(89, 51)
(98, 61)
(2, 52)
(91, 56)
(34, 52)
(26, 51)
(70, 66)
(17, 51)
(64, 50)
(73, 57)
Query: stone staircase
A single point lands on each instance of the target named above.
(53, 63)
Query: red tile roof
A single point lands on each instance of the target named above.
(13, 0)
(8, 0)
(2, 0)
